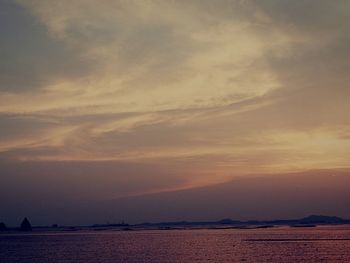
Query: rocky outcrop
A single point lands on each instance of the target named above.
(2, 226)
(25, 225)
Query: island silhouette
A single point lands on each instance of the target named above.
(25, 225)
(2, 226)
(309, 221)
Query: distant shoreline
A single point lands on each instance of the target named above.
(225, 224)
(42, 230)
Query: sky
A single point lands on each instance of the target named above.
(149, 110)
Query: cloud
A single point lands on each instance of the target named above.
(88, 201)
(211, 89)
(180, 59)
(30, 59)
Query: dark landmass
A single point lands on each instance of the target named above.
(111, 225)
(2, 226)
(310, 221)
(25, 225)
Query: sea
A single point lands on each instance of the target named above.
(278, 244)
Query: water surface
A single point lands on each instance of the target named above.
(282, 244)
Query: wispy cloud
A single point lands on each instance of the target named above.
(246, 86)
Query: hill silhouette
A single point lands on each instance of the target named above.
(2, 226)
(25, 225)
(309, 220)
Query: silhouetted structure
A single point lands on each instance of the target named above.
(25, 225)
(2, 226)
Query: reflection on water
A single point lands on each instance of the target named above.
(283, 244)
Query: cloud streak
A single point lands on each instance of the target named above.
(211, 89)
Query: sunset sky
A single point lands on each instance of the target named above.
(147, 110)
